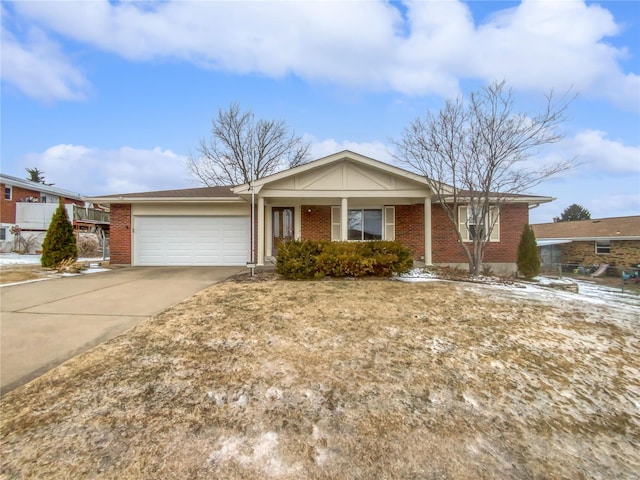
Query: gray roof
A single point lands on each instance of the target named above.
(202, 192)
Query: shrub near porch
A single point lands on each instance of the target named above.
(307, 259)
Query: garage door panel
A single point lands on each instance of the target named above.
(211, 240)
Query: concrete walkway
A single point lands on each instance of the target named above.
(45, 323)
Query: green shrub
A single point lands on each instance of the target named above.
(528, 259)
(296, 259)
(60, 242)
(304, 259)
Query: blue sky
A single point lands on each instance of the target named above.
(109, 97)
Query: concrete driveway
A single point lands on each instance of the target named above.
(45, 323)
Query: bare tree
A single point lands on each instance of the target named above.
(478, 154)
(238, 141)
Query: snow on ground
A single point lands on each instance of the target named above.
(15, 259)
(541, 288)
(416, 275)
(18, 259)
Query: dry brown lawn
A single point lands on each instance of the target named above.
(342, 380)
(20, 273)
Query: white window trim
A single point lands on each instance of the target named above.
(388, 221)
(10, 188)
(463, 223)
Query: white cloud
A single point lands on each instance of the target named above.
(94, 171)
(536, 45)
(38, 69)
(604, 155)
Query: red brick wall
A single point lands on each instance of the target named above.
(8, 207)
(409, 224)
(316, 222)
(120, 235)
(445, 246)
(410, 228)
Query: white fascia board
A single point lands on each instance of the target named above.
(498, 199)
(592, 239)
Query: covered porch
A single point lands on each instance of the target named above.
(343, 197)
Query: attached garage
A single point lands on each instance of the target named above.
(191, 240)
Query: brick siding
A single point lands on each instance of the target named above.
(409, 224)
(316, 222)
(120, 235)
(446, 248)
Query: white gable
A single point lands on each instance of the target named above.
(343, 177)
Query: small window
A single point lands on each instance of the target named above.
(603, 247)
(3, 234)
(473, 225)
(7, 193)
(43, 199)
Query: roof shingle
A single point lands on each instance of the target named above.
(595, 228)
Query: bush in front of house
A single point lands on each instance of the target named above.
(306, 259)
(528, 259)
(59, 245)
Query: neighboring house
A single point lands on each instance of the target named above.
(615, 241)
(31, 205)
(345, 196)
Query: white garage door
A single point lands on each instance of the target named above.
(194, 240)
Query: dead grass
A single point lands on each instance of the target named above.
(20, 273)
(340, 379)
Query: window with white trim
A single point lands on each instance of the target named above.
(603, 247)
(364, 223)
(472, 225)
(3, 234)
(7, 193)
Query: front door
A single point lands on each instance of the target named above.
(282, 218)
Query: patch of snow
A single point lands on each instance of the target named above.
(416, 275)
(260, 453)
(18, 259)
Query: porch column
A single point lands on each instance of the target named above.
(344, 219)
(260, 231)
(427, 231)
(297, 222)
(268, 235)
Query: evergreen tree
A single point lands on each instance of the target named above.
(575, 212)
(528, 260)
(35, 175)
(60, 243)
